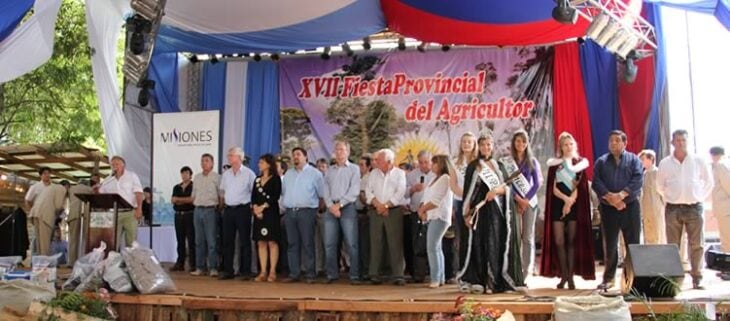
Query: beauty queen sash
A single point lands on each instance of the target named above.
(521, 183)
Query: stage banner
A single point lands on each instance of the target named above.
(179, 140)
(411, 101)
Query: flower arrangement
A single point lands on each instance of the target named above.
(470, 310)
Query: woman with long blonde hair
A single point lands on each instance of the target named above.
(468, 152)
(567, 242)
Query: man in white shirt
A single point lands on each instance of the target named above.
(127, 185)
(416, 182)
(37, 188)
(44, 214)
(721, 195)
(236, 188)
(385, 193)
(684, 182)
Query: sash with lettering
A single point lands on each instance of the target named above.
(491, 179)
(523, 186)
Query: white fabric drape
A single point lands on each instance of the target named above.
(104, 21)
(31, 44)
(234, 112)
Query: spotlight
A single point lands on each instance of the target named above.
(580, 40)
(630, 67)
(326, 54)
(564, 13)
(597, 25)
(445, 48)
(366, 43)
(144, 93)
(346, 48)
(214, 59)
(257, 57)
(275, 57)
(401, 44)
(139, 27)
(193, 58)
(627, 48)
(422, 47)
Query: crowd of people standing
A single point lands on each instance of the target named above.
(469, 219)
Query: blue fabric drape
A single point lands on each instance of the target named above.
(262, 128)
(11, 13)
(653, 130)
(598, 67)
(213, 82)
(163, 71)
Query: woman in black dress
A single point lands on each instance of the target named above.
(492, 262)
(265, 200)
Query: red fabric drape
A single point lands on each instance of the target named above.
(634, 101)
(570, 109)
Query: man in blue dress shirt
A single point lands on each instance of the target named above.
(302, 187)
(617, 180)
(341, 189)
(236, 188)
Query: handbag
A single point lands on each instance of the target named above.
(419, 244)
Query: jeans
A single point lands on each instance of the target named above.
(690, 218)
(206, 223)
(347, 223)
(434, 237)
(185, 235)
(527, 236)
(300, 224)
(237, 219)
(613, 221)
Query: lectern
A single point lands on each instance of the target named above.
(102, 222)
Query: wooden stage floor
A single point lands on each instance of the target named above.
(539, 289)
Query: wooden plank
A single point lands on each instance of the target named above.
(158, 299)
(238, 305)
(180, 314)
(127, 312)
(228, 316)
(163, 313)
(145, 313)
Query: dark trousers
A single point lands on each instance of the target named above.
(418, 264)
(185, 234)
(237, 219)
(364, 238)
(628, 222)
(451, 258)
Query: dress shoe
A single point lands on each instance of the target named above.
(290, 280)
(399, 282)
(356, 282)
(177, 268)
(225, 276)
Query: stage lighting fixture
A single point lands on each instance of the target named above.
(144, 92)
(366, 43)
(617, 40)
(597, 25)
(422, 47)
(628, 46)
(193, 58)
(257, 57)
(401, 44)
(275, 57)
(611, 29)
(445, 48)
(564, 13)
(326, 53)
(214, 59)
(140, 28)
(346, 48)
(580, 40)
(630, 69)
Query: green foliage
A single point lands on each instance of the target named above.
(57, 102)
(295, 130)
(74, 302)
(367, 127)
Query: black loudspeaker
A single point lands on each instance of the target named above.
(653, 270)
(716, 259)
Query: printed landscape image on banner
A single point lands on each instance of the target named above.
(411, 101)
(179, 140)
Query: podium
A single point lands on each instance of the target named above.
(102, 222)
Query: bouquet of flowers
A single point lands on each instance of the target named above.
(470, 310)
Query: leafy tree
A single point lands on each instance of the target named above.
(295, 130)
(367, 127)
(55, 103)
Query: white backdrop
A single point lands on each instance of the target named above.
(179, 139)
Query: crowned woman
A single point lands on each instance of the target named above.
(492, 258)
(567, 243)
